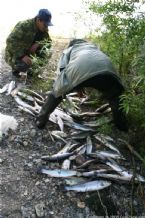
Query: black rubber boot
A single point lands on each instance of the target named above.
(49, 106)
(118, 115)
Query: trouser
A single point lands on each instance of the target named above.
(107, 83)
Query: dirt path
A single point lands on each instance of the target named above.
(26, 194)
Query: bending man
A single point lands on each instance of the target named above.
(82, 65)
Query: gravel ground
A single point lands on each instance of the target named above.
(26, 194)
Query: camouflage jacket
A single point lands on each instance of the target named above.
(18, 43)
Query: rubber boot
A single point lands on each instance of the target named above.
(119, 116)
(49, 106)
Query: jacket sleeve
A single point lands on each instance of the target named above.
(15, 41)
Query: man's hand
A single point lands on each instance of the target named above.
(34, 47)
(27, 60)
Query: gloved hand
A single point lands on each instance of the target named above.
(34, 48)
(27, 60)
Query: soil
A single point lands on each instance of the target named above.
(26, 194)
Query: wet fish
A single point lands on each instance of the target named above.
(59, 113)
(25, 105)
(80, 135)
(4, 88)
(79, 126)
(93, 173)
(24, 96)
(57, 157)
(89, 186)
(40, 102)
(124, 172)
(87, 163)
(89, 145)
(99, 123)
(33, 93)
(118, 177)
(85, 114)
(60, 123)
(106, 143)
(58, 173)
(65, 148)
(79, 151)
(74, 180)
(26, 110)
(59, 135)
(102, 108)
(16, 90)
(108, 138)
(12, 85)
(72, 103)
(106, 154)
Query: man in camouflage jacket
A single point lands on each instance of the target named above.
(26, 40)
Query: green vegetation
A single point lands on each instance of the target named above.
(40, 64)
(122, 37)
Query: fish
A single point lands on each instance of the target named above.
(33, 93)
(108, 138)
(65, 148)
(40, 102)
(60, 123)
(80, 135)
(59, 135)
(95, 124)
(57, 157)
(106, 154)
(118, 177)
(25, 105)
(62, 115)
(79, 151)
(26, 110)
(84, 99)
(85, 114)
(74, 180)
(102, 108)
(124, 172)
(58, 173)
(89, 145)
(79, 126)
(66, 164)
(89, 186)
(72, 104)
(106, 143)
(93, 173)
(4, 88)
(87, 163)
(12, 85)
(17, 89)
(72, 94)
(24, 96)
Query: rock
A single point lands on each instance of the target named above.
(25, 143)
(39, 208)
(81, 204)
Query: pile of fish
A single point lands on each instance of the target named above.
(89, 166)
(88, 161)
(31, 102)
